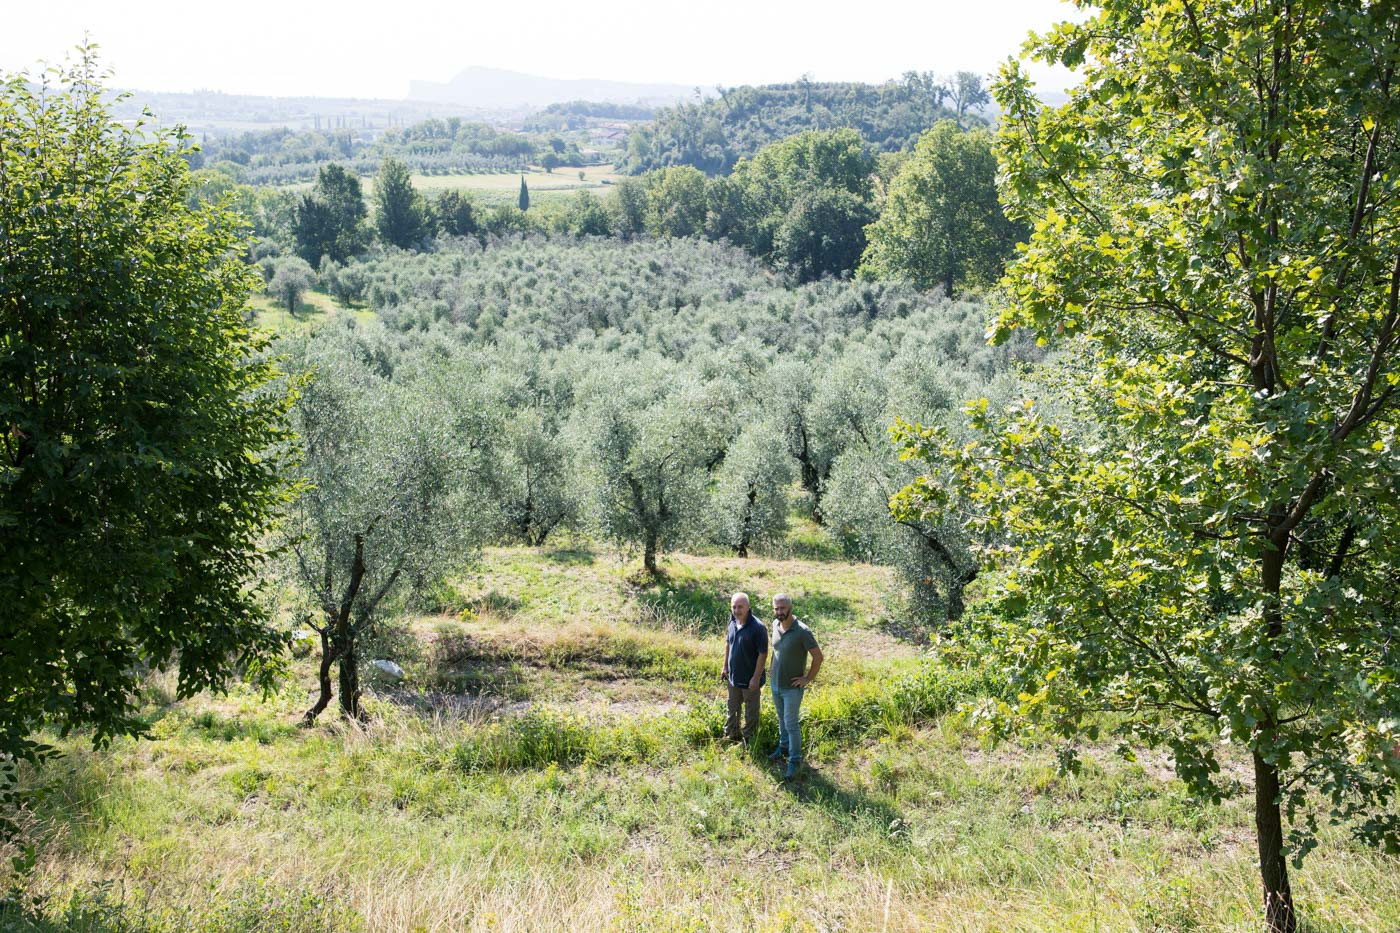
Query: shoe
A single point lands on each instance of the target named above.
(777, 754)
(792, 769)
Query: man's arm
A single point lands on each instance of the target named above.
(724, 668)
(811, 671)
(758, 668)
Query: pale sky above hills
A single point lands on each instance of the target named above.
(352, 48)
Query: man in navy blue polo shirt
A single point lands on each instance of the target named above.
(745, 651)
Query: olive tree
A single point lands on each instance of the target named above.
(527, 462)
(749, 496)
(790, 402)
(291, 277)
(642, 438)
(385, 468)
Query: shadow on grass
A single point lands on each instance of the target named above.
(693, 608)
(571, 554)
(844, 804)
(823, 606)
(907, 630)
(497, 603)
(459, 663)
(305, 311)
(813, 547)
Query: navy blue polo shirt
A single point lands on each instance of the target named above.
(745, 644)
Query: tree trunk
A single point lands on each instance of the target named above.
(323, 678)
(527, 516)
(811, 476)
(336, 636)
(649, 556)
(1279, 916)
(747, 535)
(954, 606)
(350, 678)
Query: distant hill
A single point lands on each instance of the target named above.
(495, 88)
(712, 135)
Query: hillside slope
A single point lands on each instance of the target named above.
(552, 762)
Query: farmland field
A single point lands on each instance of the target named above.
(504, 187)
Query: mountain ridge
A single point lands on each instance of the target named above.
(478, 86)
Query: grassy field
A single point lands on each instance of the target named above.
(504, 187)
(314, 308)
(545, 188)
(552, 761)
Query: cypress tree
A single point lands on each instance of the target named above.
(524, 195)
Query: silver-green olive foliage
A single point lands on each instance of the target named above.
(526, 463)
(749, 499)
(291, 277)
(1211, 554)
(136, 422)
(643, 435)
(387, 468)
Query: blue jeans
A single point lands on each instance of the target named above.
(787, 701)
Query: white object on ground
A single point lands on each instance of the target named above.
(388, 668)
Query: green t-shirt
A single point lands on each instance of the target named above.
(789, 651)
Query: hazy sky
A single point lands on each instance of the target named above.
(361, 49)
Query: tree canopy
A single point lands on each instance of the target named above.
(330, 221)
(806, 201)
(136, 420)
(713, 135)
(941, 222)
(400, 213)
(1204, 540)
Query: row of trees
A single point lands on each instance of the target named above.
(698, 325)
(814, 205)
(1196, 536)
(332, 221)
(431, 147)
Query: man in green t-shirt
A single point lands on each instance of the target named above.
(790, 643)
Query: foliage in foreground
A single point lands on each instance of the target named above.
(1204, 539)
(136, 480)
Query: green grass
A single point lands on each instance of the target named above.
(553, 761)
(504, 187)
(314, 308)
